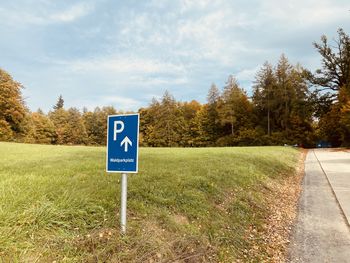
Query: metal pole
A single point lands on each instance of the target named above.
(124, 186)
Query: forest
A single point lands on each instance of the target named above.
(289, 105)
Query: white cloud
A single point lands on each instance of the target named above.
(140, 49)
(212, 36)
(247, 74)
(303, 13)
(73, 13)
(43, 15)
(124, 65)
(207, 34)
(119, 102)
(159, 81)
(191, 5)
(125, 103)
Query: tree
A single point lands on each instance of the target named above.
(282, 104)
(206, 124)
(203, 124)
(213, 127)
(190, 131)
(43, 128)
(332, 93)
(12, 108)
(59, 118)
(59, 104)
(213, 95)
(329, 128)
(96, 124)
(335, 72)
(148, 118)
(92, 125)
(235, 110)
(301, 110)
(6, 133)
(345, 124)
(284, 90)
(169, 127)
(264, 87)
(75, 132)
(163, 122)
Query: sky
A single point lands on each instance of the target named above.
(124, 53)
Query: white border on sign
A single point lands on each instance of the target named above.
(137, 149)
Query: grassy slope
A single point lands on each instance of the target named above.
(57, 203)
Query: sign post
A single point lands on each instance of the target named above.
(122, 153)
(124, 190)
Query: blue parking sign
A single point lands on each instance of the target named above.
(122, 143)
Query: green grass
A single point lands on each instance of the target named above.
(57, 203)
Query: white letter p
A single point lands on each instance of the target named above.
(116, 130)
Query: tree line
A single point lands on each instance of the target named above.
(289, 105)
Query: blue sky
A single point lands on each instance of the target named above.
(123, 53)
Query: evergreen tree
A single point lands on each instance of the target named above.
(264, 87)
(281, 100)
(59, 118)
(235, 110)
(284, 89)
(213, 95)
(163, 123)
(96, 124)
(189, 111)
(59, 104)
(148, 117)
(213, 127)
(75, 132)
(169, 127)
(203, 126)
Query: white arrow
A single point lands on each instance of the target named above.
(126, 141)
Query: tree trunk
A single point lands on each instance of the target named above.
(268, 122)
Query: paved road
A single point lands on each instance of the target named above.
(322, 232)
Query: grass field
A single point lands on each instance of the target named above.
(57, 203)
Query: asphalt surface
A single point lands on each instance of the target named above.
(322, 232)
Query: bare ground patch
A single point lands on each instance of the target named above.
(282, 197)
